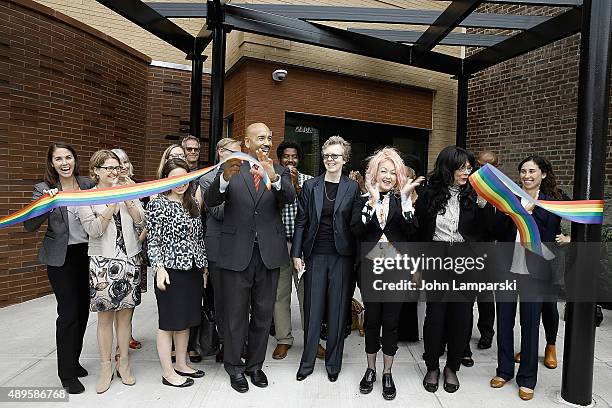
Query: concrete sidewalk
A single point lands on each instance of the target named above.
(28, 358)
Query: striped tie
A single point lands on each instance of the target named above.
(256, 178)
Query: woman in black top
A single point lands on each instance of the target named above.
(176, 250)
(382, 217)
(64, 251)
(449, 211)
(322, 235)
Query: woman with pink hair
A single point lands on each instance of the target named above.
(380, 218)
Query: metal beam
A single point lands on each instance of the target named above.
(589, 181)
(551, 3)
(455, 39)
(195, 107)
(450, 18)
(359, 14)
(556, 28)
(217, 89)
(462, 110)
(146, 17)
(257, 22)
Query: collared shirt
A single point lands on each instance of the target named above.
(289, 211)
(223, 184)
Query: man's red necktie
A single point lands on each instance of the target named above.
(256, 177)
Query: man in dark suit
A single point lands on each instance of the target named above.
(253, 248)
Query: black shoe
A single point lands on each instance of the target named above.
(347, 331)
(332, 377)
(388, 391)
(428, 383)
(81, 371)
(467, 361)
(452, 386)
(301, 377)
(188, 383)
(196, 374)
(272, 330)
(258, 378)
(239, 382)
(323, 334)
(195, 359)
(485, 342)
(367, 382)
(73, 386)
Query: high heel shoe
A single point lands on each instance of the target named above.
(125, 373)
(105, 378)
(431, 375)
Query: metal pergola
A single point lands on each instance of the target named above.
(305, 24)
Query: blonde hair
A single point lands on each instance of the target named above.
(391, 154)
(226, 141)
(98, 159)
(337, 140)
(124, 157)
(166, 156)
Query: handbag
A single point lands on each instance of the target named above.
(208, 338)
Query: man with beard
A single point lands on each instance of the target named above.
(289, 154)
(253, 248)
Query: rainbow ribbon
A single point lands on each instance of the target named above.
(499, 190)
(115, 194)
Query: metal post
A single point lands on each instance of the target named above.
(462, 110)
(591, 143)
(217, 89)
(195, 112)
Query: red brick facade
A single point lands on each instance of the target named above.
(253, 96)
(529, 105)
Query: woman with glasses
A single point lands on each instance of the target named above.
(323, 238)
(64, 251)
(449, 211)
(114, 267)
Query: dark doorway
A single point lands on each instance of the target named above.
(311, 131)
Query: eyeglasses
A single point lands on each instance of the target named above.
(192, 149)
(332, 156)
(224, 149)
(466, 170)
(176, 156)
(110, 169)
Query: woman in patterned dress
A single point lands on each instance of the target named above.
(114, 267)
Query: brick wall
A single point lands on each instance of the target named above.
(168, 102)
(528, 105)
(59, 81)
(253, 96)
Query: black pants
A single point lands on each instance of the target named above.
(383, 315)
(550, 320)
(408, 329)
(446, 322)
(486, 319)
(255, 287)
(70, 283)
(214, 277)
(327, 283)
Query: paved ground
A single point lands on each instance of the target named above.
(28, 358)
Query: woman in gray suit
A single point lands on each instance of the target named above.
(323, 237)
(64, 251)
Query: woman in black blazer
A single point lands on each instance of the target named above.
(323, 237)
(449, 211)
(382, 217)
(534, 277)
(64, 251)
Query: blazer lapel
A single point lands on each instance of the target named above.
(248, 179)
(342, 189)
(318, 195)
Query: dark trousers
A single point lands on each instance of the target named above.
(70, 283)
(214, 277)
(550, 320)
(409, 322)
(383, 315)
(446, 322)
(327, 282)
(486, 319)
(530, 329)
(254, 287)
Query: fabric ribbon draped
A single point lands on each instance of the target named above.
(501, 192)
(115, 194)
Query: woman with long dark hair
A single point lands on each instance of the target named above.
(382, 217)
(64, 251)
(176, 251)
(534, 277)
(448, 211)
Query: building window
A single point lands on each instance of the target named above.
(228, 125)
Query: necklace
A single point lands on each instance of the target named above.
(326, 196)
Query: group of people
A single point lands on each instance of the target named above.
(253, 243)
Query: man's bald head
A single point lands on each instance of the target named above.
(487, 156)
(257, 136)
